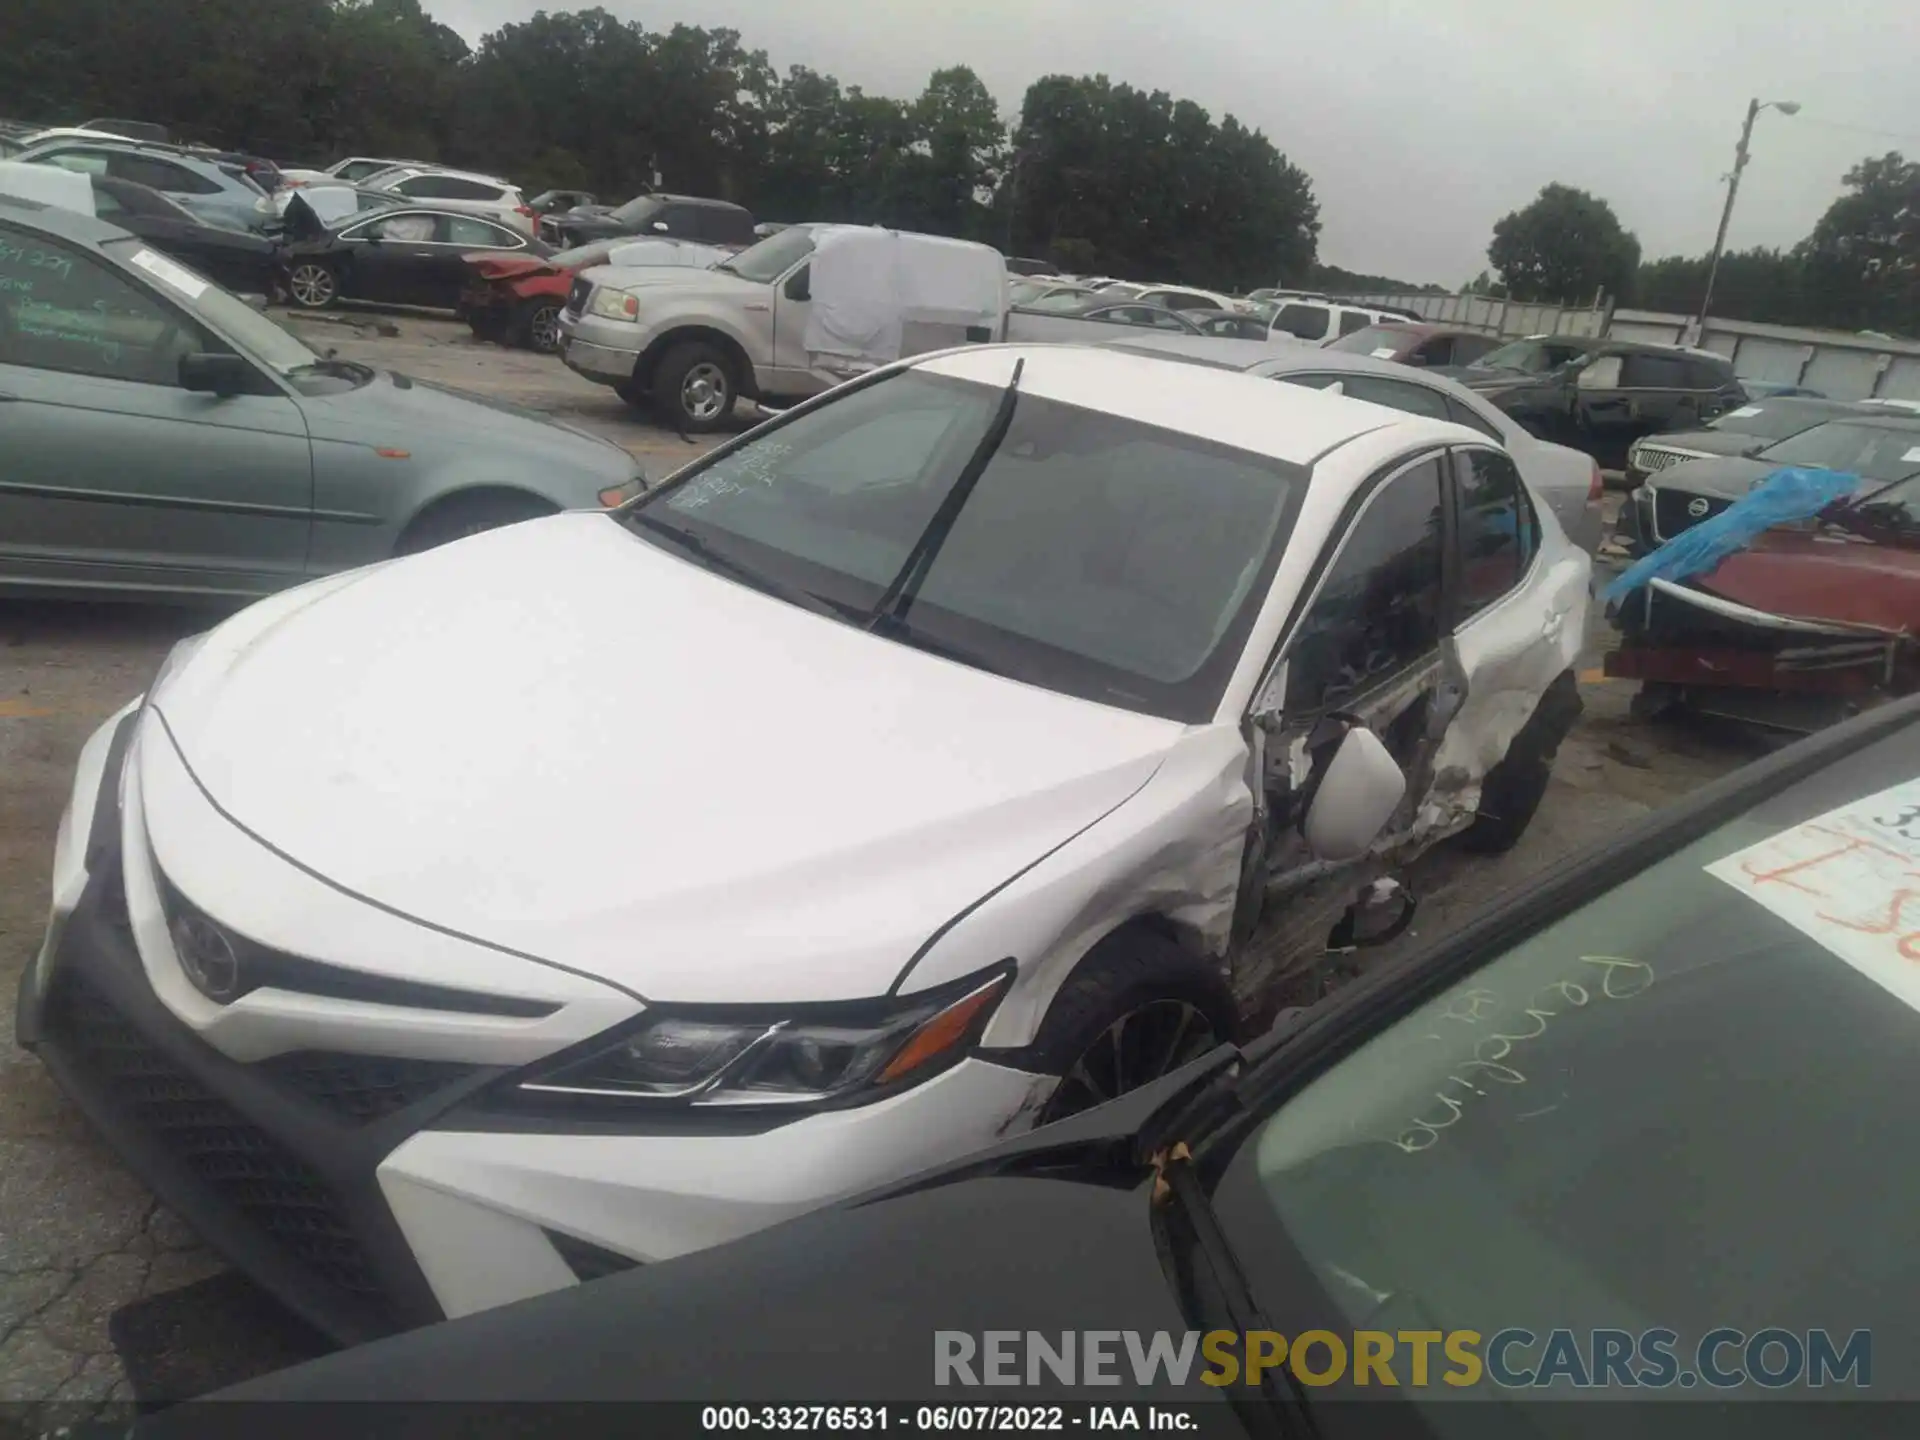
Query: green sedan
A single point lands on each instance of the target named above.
(161, 438)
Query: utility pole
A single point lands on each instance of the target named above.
(1754, 107)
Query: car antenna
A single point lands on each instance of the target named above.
(898, 596)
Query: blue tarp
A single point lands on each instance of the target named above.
(1790, 493)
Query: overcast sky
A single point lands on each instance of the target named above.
(1421, 122)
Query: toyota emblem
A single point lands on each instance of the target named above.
(207, 956)
(1697, 508)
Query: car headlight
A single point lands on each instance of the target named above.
(810, 1055)
(613, 305)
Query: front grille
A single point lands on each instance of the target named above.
(1676, 510)
(1652, 459)
(363, 1088)
(274, 1189)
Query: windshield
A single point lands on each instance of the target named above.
(1391, 339)
(225, 314)
(639, 209)
(1094, 555)
(1679, 1106)
(1770, 419)
(773, 256)
(1857, 447)
(1531, 357)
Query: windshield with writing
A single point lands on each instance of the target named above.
(1770, 420)
(1094, 555)
(224, 312)
(1686, 1104)
(1859, 449)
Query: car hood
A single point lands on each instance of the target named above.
(1727, 477)
(840, 1306)
(1806, 575)
(396, 411)
(685, 279)
(561, 739)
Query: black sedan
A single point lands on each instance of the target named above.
(239, 260)
(1655, 1092)
(410, 255)
(1879, 447)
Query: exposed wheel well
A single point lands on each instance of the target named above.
(472, 497)
(737, 358)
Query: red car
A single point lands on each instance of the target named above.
(516, 299)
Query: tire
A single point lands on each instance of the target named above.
(536, 325)
(313, 284)
(694, 388)
(1510, 796)
(465, 515)
(1139, 1000)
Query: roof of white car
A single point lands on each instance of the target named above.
(1289, 423)
(474, 175)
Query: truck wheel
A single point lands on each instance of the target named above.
(313, 285)
(1136, 1008)
(464, 515)
(536, 325)
(694, 388)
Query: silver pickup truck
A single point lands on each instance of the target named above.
(689, 342)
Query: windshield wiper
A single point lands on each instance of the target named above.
(1177, 1189)
(722, 563)
(891, 609)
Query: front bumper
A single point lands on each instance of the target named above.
(604, 351)
(372, 1194)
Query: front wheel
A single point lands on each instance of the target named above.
(1136, 1008)
(313, 285)
(693, 388)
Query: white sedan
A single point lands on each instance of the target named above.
(925, 764)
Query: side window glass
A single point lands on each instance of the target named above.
(415, 229)
(800, 284)
(1498, 533)
(1352, 320)
(1462, 413)
(61, 310)
(467, 230)
(1379, 610)
(80, 162)
(1306, 322)
(1437, 351)
(1653, 372)
(1414, 399)
(1601, 374)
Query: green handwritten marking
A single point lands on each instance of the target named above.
(1615, 977)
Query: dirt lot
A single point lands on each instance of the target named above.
(80, 1241)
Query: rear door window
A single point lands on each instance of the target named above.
(481, 234)
(1653, 372)
(1496, 534)
(1352, 320)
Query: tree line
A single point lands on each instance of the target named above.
(1859, 269)
(1095, 175)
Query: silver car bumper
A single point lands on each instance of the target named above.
(593, 348)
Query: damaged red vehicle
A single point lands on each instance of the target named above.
(1808, 624)
(516, 299)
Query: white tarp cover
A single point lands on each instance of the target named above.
(688, 253)
(330, 203)
(48, 184)
(868, 284)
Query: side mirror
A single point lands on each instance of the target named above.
(1355, 799)
(215, 374)
(799, 285)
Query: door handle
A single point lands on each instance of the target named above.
(756, 308)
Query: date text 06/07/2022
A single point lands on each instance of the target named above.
(937, 1419)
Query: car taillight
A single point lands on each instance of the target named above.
(526, 210)
(1597, 487)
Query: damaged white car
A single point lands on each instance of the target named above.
(924, 764)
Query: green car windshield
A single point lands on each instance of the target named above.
(225, 314)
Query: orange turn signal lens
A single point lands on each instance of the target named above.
(941, 1033)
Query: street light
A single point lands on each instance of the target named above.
(1754, 107)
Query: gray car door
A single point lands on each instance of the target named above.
(111, 474)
